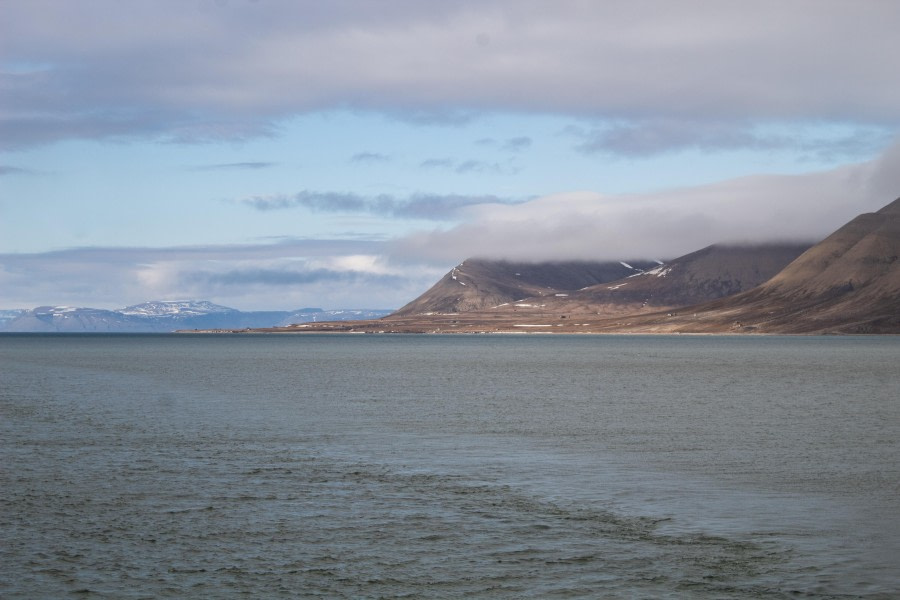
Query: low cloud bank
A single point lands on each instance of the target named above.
(276, 276)
(667, 224)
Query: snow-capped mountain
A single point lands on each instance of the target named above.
(70, 319)
(162, 316)
(180, 308)
(478, 284)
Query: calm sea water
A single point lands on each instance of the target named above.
(441, 467)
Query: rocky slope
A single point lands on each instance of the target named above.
(713, 272)
(848, 283)
(478, 284)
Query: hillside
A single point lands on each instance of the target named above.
(708, 274)
(848, 283)
(478, 284)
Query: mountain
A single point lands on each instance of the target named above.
(71, 319)
(166, 316)
(714, 272)
(477, 284)
(606, 288)
(176, 308)
(847, 283)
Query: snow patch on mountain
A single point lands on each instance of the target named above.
(660, 271)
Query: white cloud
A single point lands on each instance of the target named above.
(588, 225)
(360, 263)
(287, 275)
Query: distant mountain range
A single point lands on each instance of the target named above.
(165, 316)
(847, 283)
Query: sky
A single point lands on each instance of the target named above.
(277, 154)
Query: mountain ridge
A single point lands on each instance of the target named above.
(477, 283)
(710, 273)
(175, 307)
(847, 283)
(164, 316)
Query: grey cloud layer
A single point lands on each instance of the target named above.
(470, 166)
(417, 206)
(240, 166)
(207, 70)
(7, 170)
(369, 157)
(281, 275)
(285, 277)
(656, 136)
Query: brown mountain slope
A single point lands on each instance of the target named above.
(479, 284)
(860, 254)
(848, 283)
(713, 272)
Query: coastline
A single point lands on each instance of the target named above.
(600, 328)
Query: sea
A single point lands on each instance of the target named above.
(458, 466)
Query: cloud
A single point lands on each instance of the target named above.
(468, 166)
(232, 70)
(443, 206)
(7, 170)
(283, 247)
(317, 201)
(288, 273)
(369, 157)
(416, 206)
(667, 224)
(514, 144)
(517, 144)
(651, 137)
(238, 166)
(283, 275)
(481, 166)
(434, 163)
(476, 166)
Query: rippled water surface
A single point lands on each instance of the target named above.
(449, 466)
